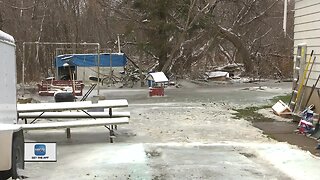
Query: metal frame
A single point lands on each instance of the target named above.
(59, 44)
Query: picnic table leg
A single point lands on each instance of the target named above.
(37, 118)
(114, 127)
(111, 133)
(68, 133)
(112, 136)
(110, 114)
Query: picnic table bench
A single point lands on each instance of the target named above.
(108, 119)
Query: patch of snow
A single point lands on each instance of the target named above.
(217, 74)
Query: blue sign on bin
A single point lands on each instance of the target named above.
(39, 149)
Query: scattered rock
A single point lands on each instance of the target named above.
(153, 152)
(24, 100)
(248, 155)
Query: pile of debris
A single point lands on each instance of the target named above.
(225, 73)
(234, 69)
(308, 119)
(307, 123)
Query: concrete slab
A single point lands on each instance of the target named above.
(228, 160)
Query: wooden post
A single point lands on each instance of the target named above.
(71, 79)
(140, 69)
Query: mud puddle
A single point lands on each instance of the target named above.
(285, 132)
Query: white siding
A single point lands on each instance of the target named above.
(307, 30)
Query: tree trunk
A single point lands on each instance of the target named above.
(238, 43)
(1, 20)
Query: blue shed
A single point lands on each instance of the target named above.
(85, 65)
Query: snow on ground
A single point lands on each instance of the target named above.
(188, 134)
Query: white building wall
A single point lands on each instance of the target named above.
(307, 30)
(83, 73)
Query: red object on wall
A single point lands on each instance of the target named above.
(156, 91)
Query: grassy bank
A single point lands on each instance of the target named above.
(250, 113)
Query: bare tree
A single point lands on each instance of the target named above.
(177, 36)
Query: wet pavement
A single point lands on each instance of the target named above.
(285, 132)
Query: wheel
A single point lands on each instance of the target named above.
(64, 97)
(17, 154)
(5, 175)
(105, 81)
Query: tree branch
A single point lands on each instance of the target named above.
(260, 15)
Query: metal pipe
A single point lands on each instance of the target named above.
(56, 67)
(56, 43)
(111, 73)
(119, 43)
(52, 43)
(98, 88)
(23, 59)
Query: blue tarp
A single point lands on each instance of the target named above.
(90, 60)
